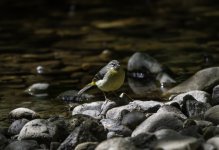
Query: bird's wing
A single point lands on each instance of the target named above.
(100, 75)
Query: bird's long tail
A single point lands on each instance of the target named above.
(88, 86)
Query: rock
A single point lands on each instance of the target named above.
(94, 109)
(141, 65)
(202, 80)
(137, 105)
(3, 141)
(23, 145)
(214, 141)
(40, 130)
(200, 96)
(89, 130)
(158, 121)
(173, 142)
(210, 132)
(38, 89)
(199, 123)
(165, 133)
(144, 140)
(143, 62)
(132, 119)
(169, 108)
(215, 96)
(192, 131)
(54, 145)
(62, 127)
(16, 126)
(86, 146)
(207, 146)
(72, 96)
(20, 113)
(212, 114)
(116, 144)
(115, 127)
(194, 108)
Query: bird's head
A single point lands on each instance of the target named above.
(114, 64)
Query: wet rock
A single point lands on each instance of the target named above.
(215, 96)
(38, 89)
(72, 96)
(202, 80)
(199, 123)
(200, 96)
(194, 108)
(116, 144)
(40, 130)
(89, 130)
(62, 127)
(144, 140)
(210, 131)
(19, 113)
(169, 108)
(165, 133)
(16, 126)
(137, 105)
(192, 131)
(212, 114)
(23, 145)
(159, 121)
(132, 119)
(177, 141)
(115, 128)
(86, 146)
(214, 141)
(141, 61)
(54, 145)
(147, 66)
(207, 146)
(3, 141)
(94, 109)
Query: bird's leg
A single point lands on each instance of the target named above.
(104, 104)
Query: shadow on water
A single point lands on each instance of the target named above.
(72, 39)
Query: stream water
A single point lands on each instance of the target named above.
(72, 39)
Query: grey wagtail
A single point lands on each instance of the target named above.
(109, 78)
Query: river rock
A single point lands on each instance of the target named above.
(193, 108)
(175, 141)
(19, 113)
(16, 126)
(215, 96)
(200, 96)
(169, 108)
(132, 119)
(115, 128)
(89, 130)
(72, 96)
(212, 114)
(202, 80)
(137, 105)
(214, 141)
(3, 141)
(158, 121)
(116, 144)
(210, 132)
(23, 145)
(86, 146)
(94, 109)
(38, 89)
(144, 140)
(40, 130)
